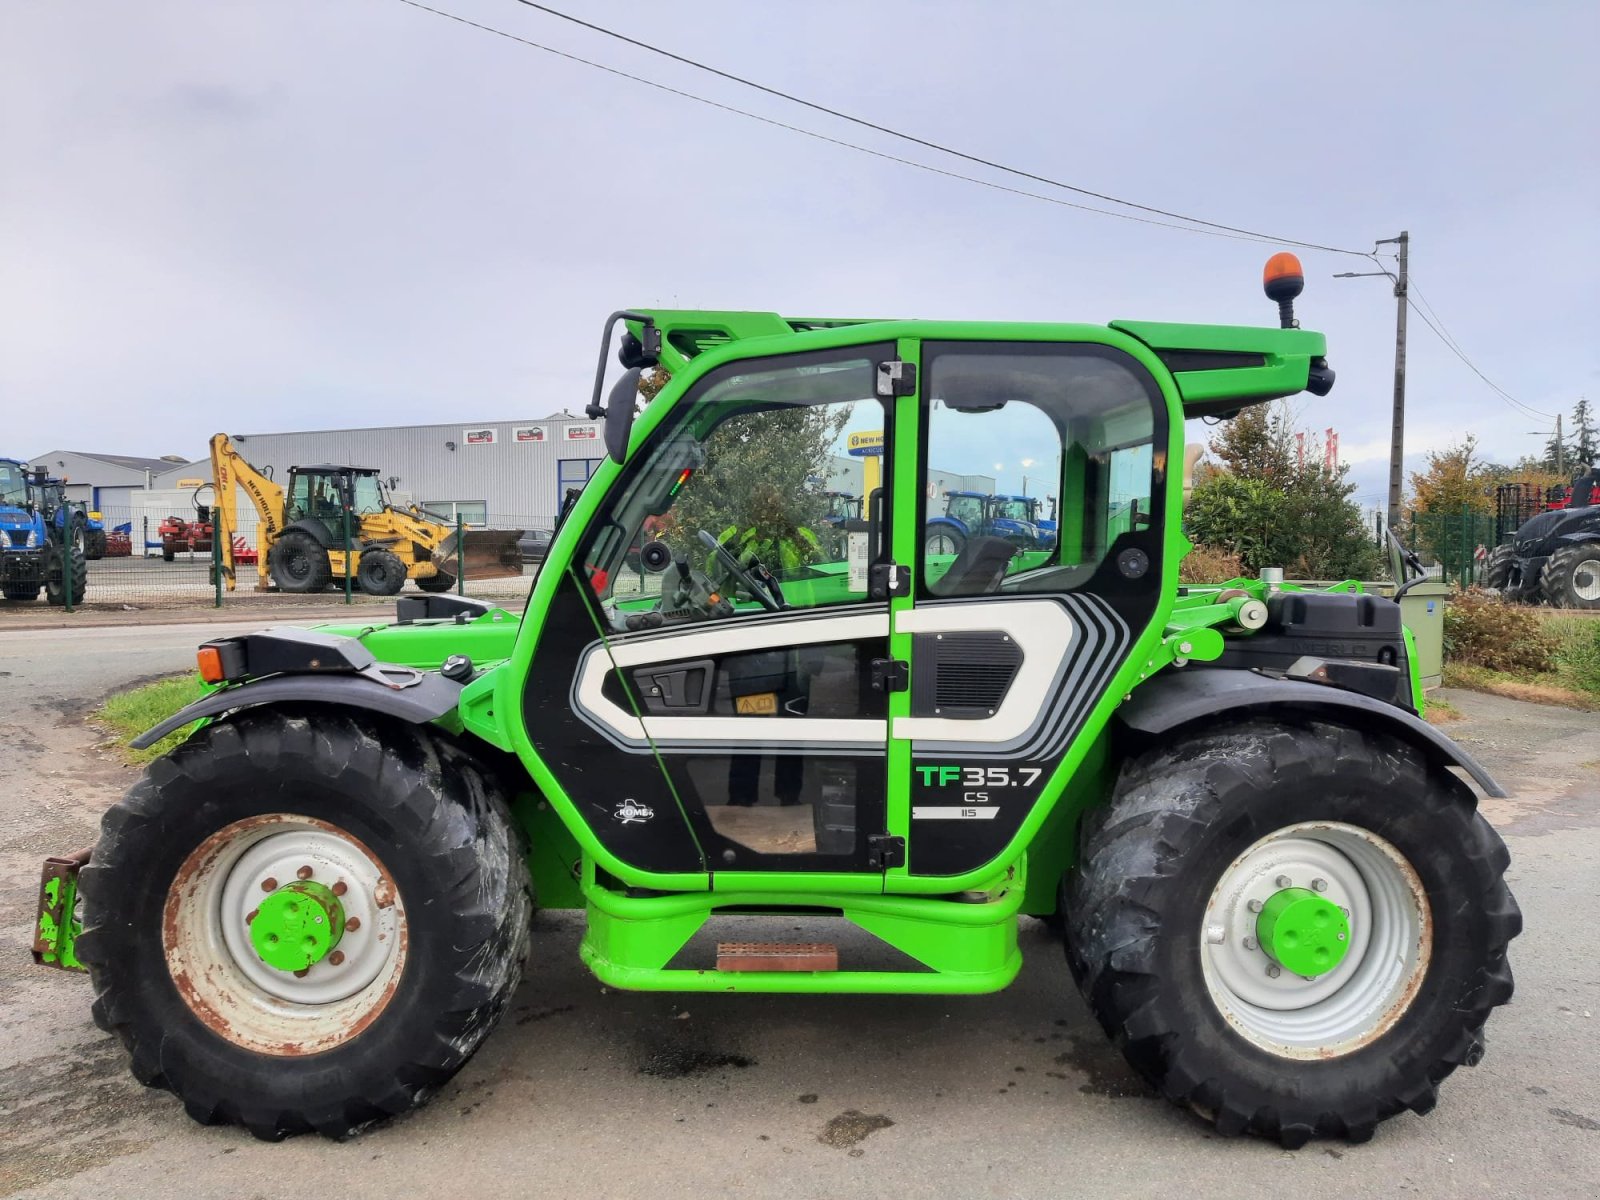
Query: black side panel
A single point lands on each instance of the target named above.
(1179, 697)
(964, 676)
(1328, 625)
(319, 530)
(622, 797)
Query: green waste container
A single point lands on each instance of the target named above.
(1422, 610)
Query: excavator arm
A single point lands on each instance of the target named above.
(228, 468)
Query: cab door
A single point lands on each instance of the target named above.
(699, 720)
(1013, 640)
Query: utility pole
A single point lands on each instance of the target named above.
(1561, 450)
(1397, 435)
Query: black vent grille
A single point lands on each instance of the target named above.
(964, 676)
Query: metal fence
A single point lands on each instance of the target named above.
(1459, 543)
(143, 558)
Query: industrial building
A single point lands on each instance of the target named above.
(103, 481)
(505, 474)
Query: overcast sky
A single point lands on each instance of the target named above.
(262, 215)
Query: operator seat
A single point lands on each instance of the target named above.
(977, 570)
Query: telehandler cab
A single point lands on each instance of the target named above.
(1276, 892)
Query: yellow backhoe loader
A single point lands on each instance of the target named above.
(301, 534)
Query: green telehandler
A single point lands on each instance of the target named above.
(1270, 877)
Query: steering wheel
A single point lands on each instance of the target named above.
(751, 584)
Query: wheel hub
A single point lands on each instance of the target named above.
(1302, 932)
(297, 926)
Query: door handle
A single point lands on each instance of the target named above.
(681, 689)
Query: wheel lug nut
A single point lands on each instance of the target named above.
(251, 915)
(1319, 885)
(302, 972)
(353, 924)
(303, 873)
(1283, 881)
(1274, 971)
(336, 958)
(1254, 906)
(269, 884)
(1250, 943)
(1216, 934)
(1309, 978)
(340, 888)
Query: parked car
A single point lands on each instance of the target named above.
(534, 544)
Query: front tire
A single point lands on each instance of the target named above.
(1571, 577)
(1164, 917)
(439, 581)
(298, 563)
(380, 572)
(411, 839)
(1498, 572)
(55, 583)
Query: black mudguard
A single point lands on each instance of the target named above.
(426, 700)
(1182, 697)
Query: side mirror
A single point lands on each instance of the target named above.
(620, 403)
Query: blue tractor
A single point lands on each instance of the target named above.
(974, 514)
(41, 538)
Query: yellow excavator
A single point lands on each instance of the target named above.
(301, 533)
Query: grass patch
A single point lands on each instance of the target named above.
(1442, 712)
(1545, 688)
(130, 713)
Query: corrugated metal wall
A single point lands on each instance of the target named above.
(510, 467)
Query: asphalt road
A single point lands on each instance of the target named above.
(595, 1092)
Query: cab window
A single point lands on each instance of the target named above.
(752, 479)
(1056, 447)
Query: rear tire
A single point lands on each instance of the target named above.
(55, 584)
(1498, 572)
(941, 539)
(440, 581)
(94, 547)
(168, 552)
(420, 837)
(1203, 1017)
(1571, 577)
(380, 573)
(299, 563)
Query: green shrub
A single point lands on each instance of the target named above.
(1577, 650)
(1483, 631)
(1209, 564)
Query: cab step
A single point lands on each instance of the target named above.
(777, 956)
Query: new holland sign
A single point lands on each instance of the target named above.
(865, 445)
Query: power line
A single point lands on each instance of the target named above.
(1430, 317)
(822, 137)
(1214, 228)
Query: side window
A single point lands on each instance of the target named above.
(781, 467)
(1039, 458)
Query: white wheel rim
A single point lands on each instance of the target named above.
(1586, 579)
(941, 543)
(1391, 934)
(206, 936)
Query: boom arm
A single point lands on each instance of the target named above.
(228, 468)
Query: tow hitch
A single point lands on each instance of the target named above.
(55, 936)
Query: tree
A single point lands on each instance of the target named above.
(758, 476)
(1585, 437)
(1454, 480)
(1255, 444)
(1271, 510)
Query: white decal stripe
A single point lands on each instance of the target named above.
(716, 640)
(939, 812)
(1042, 629)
